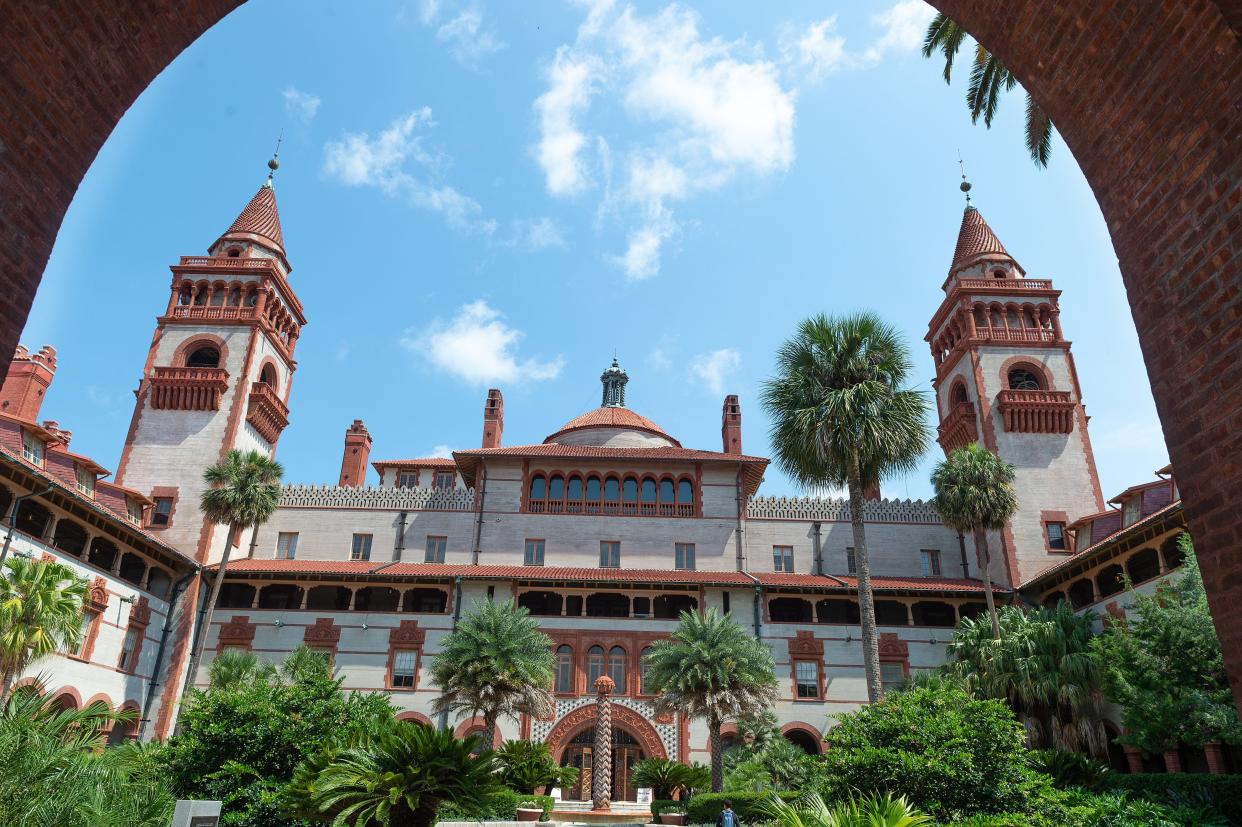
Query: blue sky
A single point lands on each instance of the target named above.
(480, 194)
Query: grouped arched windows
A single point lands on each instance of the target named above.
(631, 495)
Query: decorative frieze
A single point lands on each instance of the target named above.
(393, 499)
(825, 509)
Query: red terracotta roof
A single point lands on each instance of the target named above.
(84, 461)
(588, 575)
(924, 584)
(423, 462)
(261, 566)
(612, 417)
(801, 581)
(975, 238)
(261, 218)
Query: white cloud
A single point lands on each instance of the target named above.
(468, 40)
(561, 142)
(641, 259)
(534, 234)
(477, 346)
(301, 105)
(99, 396)
(428, 10)
(815, 52)
(660, 357)
(358, 160)
(715, 367)
(442, 451)
(342, 351)
(905, 24)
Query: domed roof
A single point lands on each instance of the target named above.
(607, 422)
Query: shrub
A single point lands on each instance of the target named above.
(527, 765)
(1221, 792)
(703, 809)
(947, 753)
(1069, 769)
(665, 805)
(501, 805)
(1083, 809)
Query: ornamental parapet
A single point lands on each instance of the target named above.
(837, 510)
(1008, 285)
(372, 497)
(266, 412)
(1036, 412)
(219, 313)
(188, 389)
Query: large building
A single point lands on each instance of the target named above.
(605, 531)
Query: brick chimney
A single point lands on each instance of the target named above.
(731, 425)
(63, 434)
(28, 380)
(357, 452)
(493, 419)
(872, 493)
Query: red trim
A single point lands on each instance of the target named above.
(817, 737)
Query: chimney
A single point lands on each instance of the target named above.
(28, 380)
(493, 419)
(731, 425)
(53, 427)
(357, 452)
(872, 494)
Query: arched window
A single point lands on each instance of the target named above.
(958, 394)
(158, 582)
(616, 668)
(556, 488)
(649, 491)
(186, 295)
(205, 356)
(1023, 379)
(574, 491)
(595, 666)
(630, 490)
(234, 252)
(538, 487)
(235, 297)
(998, 274)
(564, 669)
(667, 491)
(252, 298)
(217, 295)
(685, 492)
(200, 297)
(592, 489)
(268, 376)
(612, 490)
(642, 672)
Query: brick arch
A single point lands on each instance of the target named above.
(1037, 367)
(416, 717)
(817, 737)
(1157, 133)
(475, 724)
(623, 717)
(196, 341)
(74, 696)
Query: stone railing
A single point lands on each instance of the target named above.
(1036, 412)
(1006, 284)
(201, 311)
(227, 263)
(266, 412)
(188, 389)
(960, 427)
(831, 510)
(392, 499)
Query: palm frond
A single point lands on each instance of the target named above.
(1038, 132)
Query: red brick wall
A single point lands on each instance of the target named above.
(1147, 93)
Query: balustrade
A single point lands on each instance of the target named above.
(266, 412)
(188, 389)
(960, 427)
(1036, 411)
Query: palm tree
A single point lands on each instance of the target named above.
(988, 78)
(496, 663)
(236, 669)
(974, 493)
(840, 416)
(40, 613)
(397, 776)
(242, 492)
(711, 668)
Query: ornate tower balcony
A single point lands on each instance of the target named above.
(1036, 412)
(188, 389)
(266, 412)
(960, 427)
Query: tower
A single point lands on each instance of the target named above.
(354, 458)
(493, 419)
(217, 374)
(1005, 378)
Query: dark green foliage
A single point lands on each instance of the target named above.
(703, 809)
(1069, 769)
(1083, 809)
(239, 743)
(667, 778)
(1221, 792)
(527, 765)
(665, 805)
(499, 805)
(947, 753)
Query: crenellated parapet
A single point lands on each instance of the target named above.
(372, 497)
(833, 509)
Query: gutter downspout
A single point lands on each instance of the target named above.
(741, 509)
(456, 617)
(400, 544)
(178, 587)
(758, 601)
(478, 523)
(819, 550)
(17, 501)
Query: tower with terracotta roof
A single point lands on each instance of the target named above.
(217, 374)
(1005, 378)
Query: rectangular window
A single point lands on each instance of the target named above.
(130, 650)
(403, 663)
(851, 562)
(133, 510)
(564, 670)
(806, 676)
(435, 549)
(892, 675)
(534, 553)
(84, 480)
(32, 448)
(84, 633)
(684, 556)
(361, 549)
(1130, 511)
(161, 513)
(930, 560)
(782, 558)
(445, 479)
(610, 554)
(286, 545)
(1056, 535)
(407, 479)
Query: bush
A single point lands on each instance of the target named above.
(1223, 793)
(501, 806)
(1083, 809)
(703, 808)
(1069, 769)
(948, 754)
(666, 805)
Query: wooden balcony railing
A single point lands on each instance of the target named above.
(188, 389)
(1036, 412)
(266, 411)
(959, 428)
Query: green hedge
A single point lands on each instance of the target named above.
(659, 805)
(703, 808)
(500, 806)
(1222, 792)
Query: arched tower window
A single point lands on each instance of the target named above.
(1023, 379)
(205, 356)
(538, 487)
(616, 668)
(958, 394)
(595, 666)
(268, 376)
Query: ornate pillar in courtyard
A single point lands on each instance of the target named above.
(601, 778)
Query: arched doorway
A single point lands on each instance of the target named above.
(580, 754)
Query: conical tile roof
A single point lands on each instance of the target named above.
(975, 239)
(261, 218)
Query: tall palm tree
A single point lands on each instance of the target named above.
(243, 490)
(988, 78)
(496, 664)
(840, 416)
(236, 669)
(711, 668)
(40, 613)
(397, 777)
(974, 493)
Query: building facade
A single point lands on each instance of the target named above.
(605, 531)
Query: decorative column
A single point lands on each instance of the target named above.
(1134, 758)
(601, 778)
(1215, 756)
(1172, 761)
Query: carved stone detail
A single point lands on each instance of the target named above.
(393, 499)
(805, 643)
(237, 632)
(140, 613)
(407, 634)
(893, 647)
(322, 633)
(97, 598)
(831, 509)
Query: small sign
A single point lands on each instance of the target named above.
(204, 821)
(555, 793)
(644, 795)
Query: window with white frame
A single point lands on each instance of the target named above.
(610, 554)
(534, 553)
(361, 549)
(133, 510)
(1056, 535)
(130, 650)
(929, 559)
(407, 479)
(851, 562)
(404, 662)
(892, 675)
(84, 480)
(436, 547)
(445, 479)
(782, 558)
(1130, 511)
(806, 678)
(286, 545)
(683, 556)
(32, 448)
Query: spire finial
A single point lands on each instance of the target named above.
(965, 185)
(614, 379)
(274, 164)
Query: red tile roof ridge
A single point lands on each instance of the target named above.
(260, 217)
(604, 451)
(612, 416)
(975, 238)
(426, 462)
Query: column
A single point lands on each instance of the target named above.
(1172, 761)
(146, 577)
(49, 531)
(601, 777)
(1134, 759)
(1215, 756)
(909, 614)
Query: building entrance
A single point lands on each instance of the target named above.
(626, 753)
